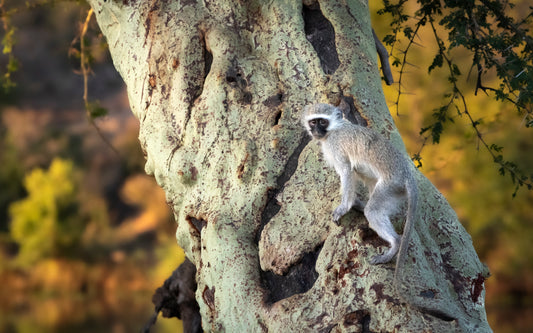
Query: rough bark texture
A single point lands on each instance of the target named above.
(218, 87)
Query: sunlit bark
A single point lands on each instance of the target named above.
(218, 87)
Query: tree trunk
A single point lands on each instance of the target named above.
(218, 88)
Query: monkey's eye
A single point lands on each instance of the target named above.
(312, 122)
(324, 122)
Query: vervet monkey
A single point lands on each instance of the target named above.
(357, 152)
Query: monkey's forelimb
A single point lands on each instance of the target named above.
(348, 180)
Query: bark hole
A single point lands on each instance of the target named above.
(247, 98)
(299, 279)
(208, 60)
(196, 224)
(236, 79)
(365, 324)
(320, 33)
(240, 168)
(152, 80)
(209, 297)
(439, 314)
(195, 90)
(359, 318)
(273, 102)
(277, 118)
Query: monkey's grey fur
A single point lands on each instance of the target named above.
(357, 152)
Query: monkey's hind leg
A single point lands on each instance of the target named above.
(378, 210)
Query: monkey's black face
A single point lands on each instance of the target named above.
(318, 127)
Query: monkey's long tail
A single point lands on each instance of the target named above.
(440, 309)
(412, 202)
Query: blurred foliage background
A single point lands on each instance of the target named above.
(501, 225)
(86, 236)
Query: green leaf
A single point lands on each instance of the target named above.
(13, 65)
(95, 110)
(437, 62)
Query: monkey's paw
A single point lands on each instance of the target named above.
(381, 259)
(338, 213)
(375, 260)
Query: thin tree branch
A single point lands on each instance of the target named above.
(85, 72)
(384, 59)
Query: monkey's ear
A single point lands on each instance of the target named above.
(349, 112)
(344, 107)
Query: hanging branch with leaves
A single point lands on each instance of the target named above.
(8, 41)
(498, 43)
(93, 109)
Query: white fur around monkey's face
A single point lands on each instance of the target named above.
(319, 119)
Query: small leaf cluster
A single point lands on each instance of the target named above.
(8, 42)
(46, 222)
(7, 10)
(497, 41)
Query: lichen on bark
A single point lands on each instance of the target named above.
(218, 87)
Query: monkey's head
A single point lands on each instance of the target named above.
(319, 119)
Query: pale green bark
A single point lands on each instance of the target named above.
(217, 146)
